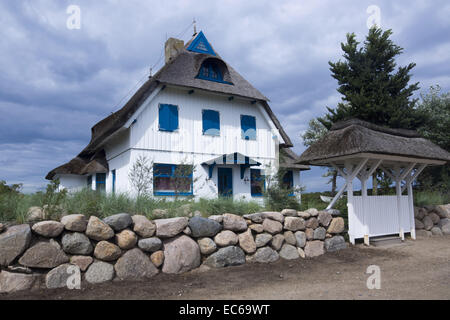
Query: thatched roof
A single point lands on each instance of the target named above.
(81, 166)
(353, 137)
(288, 159)
(180, 71)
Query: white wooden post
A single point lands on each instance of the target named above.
(364, 206)
(398, 189)
(411, 209)
(350, 208)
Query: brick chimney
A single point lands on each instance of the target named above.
(172, 48)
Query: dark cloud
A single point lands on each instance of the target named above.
(56, 83)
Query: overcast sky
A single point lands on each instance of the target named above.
(56, 82)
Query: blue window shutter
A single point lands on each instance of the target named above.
(211, 122)
(248, 127)
(168, 117)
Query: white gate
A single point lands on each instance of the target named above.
(380, 214)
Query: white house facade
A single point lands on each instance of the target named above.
(204, 129)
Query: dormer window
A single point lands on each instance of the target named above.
(210, 71)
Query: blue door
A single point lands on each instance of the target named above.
(225, 181)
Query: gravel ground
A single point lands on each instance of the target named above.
(414, 270)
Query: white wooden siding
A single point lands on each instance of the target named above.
(381, 215)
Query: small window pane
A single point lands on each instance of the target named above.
(170, 179)
(100, 181)
(257, 182)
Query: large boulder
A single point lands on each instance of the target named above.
(75, 222)
(118, 221)
(420, 213)
(143, 227)
(313, 212)
(303, 214)
(294, 223)
(226, 238)
(44, 255)
(289, 252)
(76, 243)
(217, 218)
(166, 228)
(246, 241)
(337, 225)
(150, 244)
(204, 227)
(446, 229)
(98, 230)
(335, 243)
(427, 223)
(59, 276)
(107, 251)
(259, 217)
(443, 211)
(181, 254)
(99, 272)
(300, 236)
(434, 217)
(256, 227)
(314, 248)
(262, 239)
(13, 243)
(126, 239)
(423, 234)
(419, 224)
(12, 282)
(324, 218)
(272, 226)
(49, 229)
(134, 265)
(265, 255)
(206, 245)
(228, 256)
(234, 222)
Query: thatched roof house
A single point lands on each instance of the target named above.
(355, 137)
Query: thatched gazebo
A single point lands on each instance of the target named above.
(356, 149)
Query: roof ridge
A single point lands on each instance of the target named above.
(368, 125)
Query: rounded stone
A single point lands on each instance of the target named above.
(99, 272)
(277, 242)
(289, 212)
(234, 222)
(337, 225)
(294, 223)
(312, 223)
(119, 221)
(226, 238)
(335, 243)
(157, 258)
(181, 254)
(107, 251)
(207, 245)
(134, 265)
(228, 256)
(289, 237)
(81, 261)
(265, 255)
(436, 231)
(314, 248)
(289, 252)
(272, 226)
(150, 244)
(13, 242)
(300, 238)
(126, 239)
(262, 239)
(324, 218)
(167, 228)
(246, 241)
(319, 233)
(75, 222)
(76, 243)
(98, 230)
(428, 223)
(143, 227)
(49, 229)
(258, 228)
(44, 255)
(12, 282)
(204, 227)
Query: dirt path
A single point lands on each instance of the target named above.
(415, 270)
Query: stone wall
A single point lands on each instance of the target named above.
(125, 247)
(432, 220)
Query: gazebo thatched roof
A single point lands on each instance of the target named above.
(288, 160)
(355, 137)
(81, 166)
